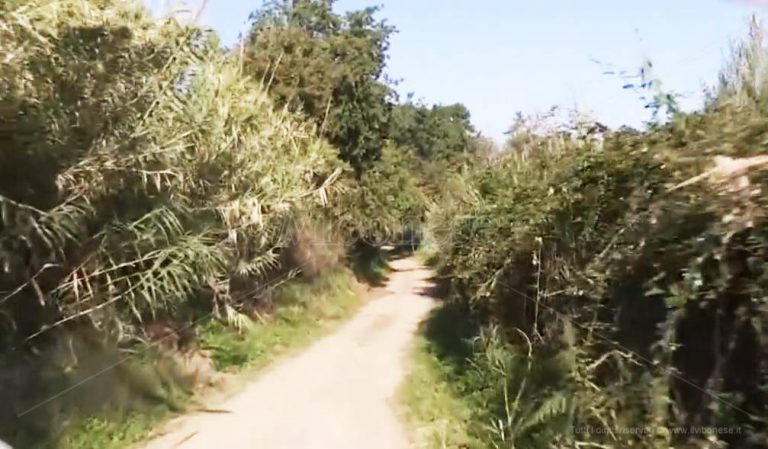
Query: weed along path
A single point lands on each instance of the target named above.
(335, 395)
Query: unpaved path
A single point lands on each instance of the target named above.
(335, 395)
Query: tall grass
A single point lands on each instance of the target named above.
(180, 182)
(143, 177)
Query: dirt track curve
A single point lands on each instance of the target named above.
(338, 394)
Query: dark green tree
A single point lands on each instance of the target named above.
(329, 67)
(439, 134)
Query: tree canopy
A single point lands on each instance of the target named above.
(437, 133)
(328, 66)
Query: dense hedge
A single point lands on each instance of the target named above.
(627, 289)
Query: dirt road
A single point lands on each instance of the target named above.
(335, 395)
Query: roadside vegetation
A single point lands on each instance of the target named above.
(434, 404)
(615, 278)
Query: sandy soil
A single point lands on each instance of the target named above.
(335, 395)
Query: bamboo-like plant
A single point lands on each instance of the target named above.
(138, 166)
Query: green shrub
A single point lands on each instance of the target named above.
(612, 266)
(142, 176)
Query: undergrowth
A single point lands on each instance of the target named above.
(306, 310)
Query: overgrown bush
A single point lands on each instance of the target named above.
(625, 277)
(141, 175)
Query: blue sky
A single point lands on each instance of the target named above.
(503, 56)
